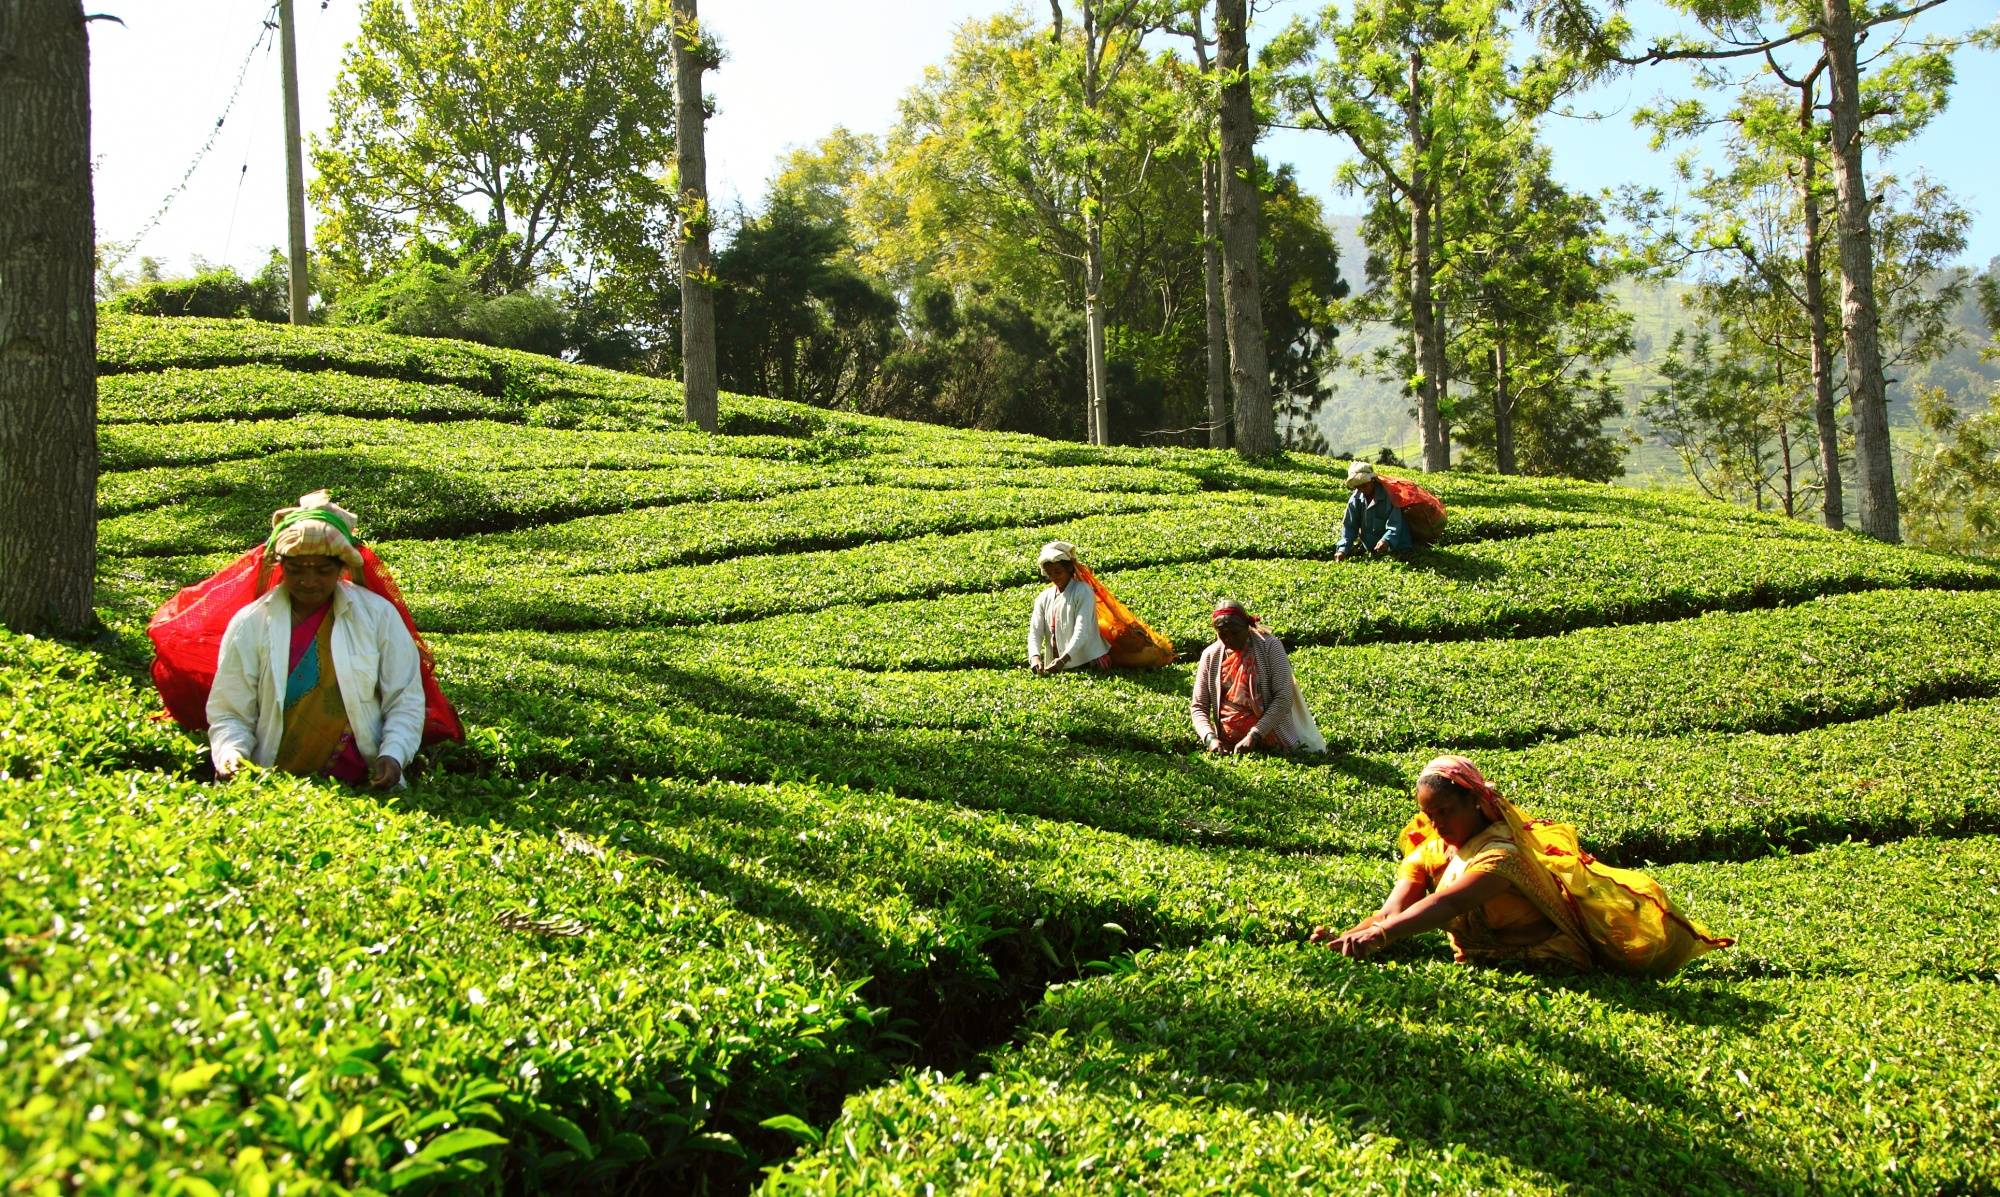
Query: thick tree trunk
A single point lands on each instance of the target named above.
(48, 321)
(1427, 348)
(1874, 465)
(1218, 323)
(1503, 413)
(698, 383)
(1249, 368)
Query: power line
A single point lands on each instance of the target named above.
(270, 24)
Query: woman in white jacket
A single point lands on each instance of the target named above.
(319, 676)
(1062, 632)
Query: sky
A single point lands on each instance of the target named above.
(794, 70)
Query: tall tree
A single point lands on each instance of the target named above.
(1755, 235)
(1416, 88)
(694, 54)
(540, 126)
(1109, 34)
(1833, 30)
(48, 321)
(1249, 368)
(1534, 323)
(797, 319)
(1202, 119)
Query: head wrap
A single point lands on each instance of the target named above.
(1360, 474)
(1230, 606)
(315, 528)
(1466, 776)
(1057, 550)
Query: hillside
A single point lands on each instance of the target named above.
(1365, 412)
(764, 849)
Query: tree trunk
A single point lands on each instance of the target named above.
(1218, 325)
(1249, 369)
(1503, 413)
(1873, 464)
(48, 321)
(1825, 417)
(1426, 347)
(1093, 318)
(691, 58)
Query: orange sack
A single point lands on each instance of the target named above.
(1133, 644)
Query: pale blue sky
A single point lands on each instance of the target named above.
(796, 69)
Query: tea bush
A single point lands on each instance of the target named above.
(766, 861)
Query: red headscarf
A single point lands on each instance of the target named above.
(1466, 776)
(1232, 607)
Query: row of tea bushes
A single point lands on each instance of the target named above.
(1232, 1068)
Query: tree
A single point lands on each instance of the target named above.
(996, 175)
(48, 321)
(1108, 41)
(546, 122)
(1417, 89)
(1835, 29)
(693, 54)
(1249, 370)
(1203, 117)
(1953, 496)
(798, 320)
(1534, 325)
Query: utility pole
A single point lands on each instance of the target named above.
(295, 179)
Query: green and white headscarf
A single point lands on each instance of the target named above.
(315, 528)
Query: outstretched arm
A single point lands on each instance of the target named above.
(1429, 914)
(1407, 892)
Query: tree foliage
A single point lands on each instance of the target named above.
(546, 125)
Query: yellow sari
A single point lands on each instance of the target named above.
(1618, 919)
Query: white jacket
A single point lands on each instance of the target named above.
(1065, 622)
(374, 659)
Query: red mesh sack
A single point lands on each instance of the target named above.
(187, 639)
(1422, 511)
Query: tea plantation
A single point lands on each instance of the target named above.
(766, 864)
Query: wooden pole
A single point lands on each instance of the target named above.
(295, 180)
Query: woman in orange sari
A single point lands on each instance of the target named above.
(1509, 889)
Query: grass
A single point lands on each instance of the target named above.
(766, 863)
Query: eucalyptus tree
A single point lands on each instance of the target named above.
(1202, 119)
(694, 54)
(1526, 283)
(998, 175)
(1910, 83)
(1109, 37)
(1750, 233)
(1417, 88)
(1249, 367)
(48, 321)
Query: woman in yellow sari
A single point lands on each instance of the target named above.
(1509, 889)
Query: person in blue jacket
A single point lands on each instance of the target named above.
(1374, 524)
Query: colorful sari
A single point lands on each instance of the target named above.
(1618, 919)
(317, 740)
(1238, 708)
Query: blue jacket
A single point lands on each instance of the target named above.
(1371, 516)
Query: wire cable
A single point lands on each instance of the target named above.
(124, 250)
